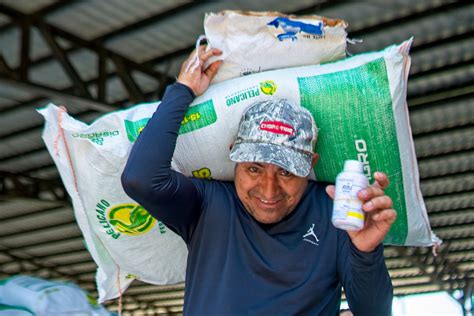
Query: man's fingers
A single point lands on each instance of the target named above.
(331, 191)
(369, 193)
(377, 203)
(212, 69)
(381, 180)
(205, 55)
(387, 215)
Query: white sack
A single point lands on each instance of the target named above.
(258, 41)
(33, 296)
(358, 103)
(124, 240)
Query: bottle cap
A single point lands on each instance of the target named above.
(353, 165)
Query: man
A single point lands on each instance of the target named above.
(263, 245)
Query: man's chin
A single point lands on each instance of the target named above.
(267, 217)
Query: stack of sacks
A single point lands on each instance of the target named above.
(359, 104)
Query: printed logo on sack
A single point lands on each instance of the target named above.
(277, 128)
(311, 236)
(203, 173)
(134, 128)
(96, 137)
(131, 219)
(292, 28)
(128, 219)
(268, 87)
(242, 95)
(198, 116)
(362, 156)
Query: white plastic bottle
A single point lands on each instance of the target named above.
(347, 211)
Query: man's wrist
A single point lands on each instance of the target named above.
(180, 84)
(366, 258)
(187, 85)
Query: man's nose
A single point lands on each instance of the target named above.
(269, 185)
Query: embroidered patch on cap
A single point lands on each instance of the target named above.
(277, 128)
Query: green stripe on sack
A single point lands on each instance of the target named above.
(198, 116)
(134, 128)
(353, 110)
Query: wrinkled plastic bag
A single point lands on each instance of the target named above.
(258, 41)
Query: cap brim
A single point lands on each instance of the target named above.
(294, 161)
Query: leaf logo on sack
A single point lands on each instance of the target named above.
(134, 128)
(291, 28)
(131, 219)
(203, 173)
(268, 87)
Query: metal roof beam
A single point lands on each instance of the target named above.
(42, 211)
(136, 95)
(24, 50)
(49, 32)
(55, 94)
(441, 8)
(63, 59)
(39, 228)
(19, 105)
(92, 46)
(55, 6)
(77, 237)
(50, 267)
(423, 260)
(142, 23)
(14, 185)
(5, 68)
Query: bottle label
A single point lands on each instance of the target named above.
(346, 203)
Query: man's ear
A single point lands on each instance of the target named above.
(314, 160)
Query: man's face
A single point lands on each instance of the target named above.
(268, 192)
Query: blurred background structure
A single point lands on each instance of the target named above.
(97, 56)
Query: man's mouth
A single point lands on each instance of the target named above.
(269, 203)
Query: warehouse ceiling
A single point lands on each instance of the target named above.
(97, 56)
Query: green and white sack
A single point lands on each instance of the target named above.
(358, 103)
(124, 240)
(25, 295)
(258, 41)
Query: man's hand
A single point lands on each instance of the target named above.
(379, 214)
(194, 75)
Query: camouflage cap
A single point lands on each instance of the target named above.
(276, 132)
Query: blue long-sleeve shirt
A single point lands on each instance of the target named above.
(236, 265)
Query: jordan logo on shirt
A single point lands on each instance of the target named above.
(311, 237)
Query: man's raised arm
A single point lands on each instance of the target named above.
(147, 177)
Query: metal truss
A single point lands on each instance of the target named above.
(439, 269)
(79, 92)
(17, 185)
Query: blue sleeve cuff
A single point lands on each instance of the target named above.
(366, 260)
(179, 85)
